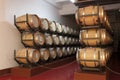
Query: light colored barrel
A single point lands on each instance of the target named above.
(93, 37)
(67, 29)
(52, 25)
(32, 20)
(32, 39)
(59, 52)
(81, 15)
(33, 55)
(70, 30)
(62, 40)
(69, 40)
(68, 51)
(56, 40)
(45, 54)
(44, 24)
(73, 41)
(59, 27)
(66, 39)
(75, 50)
(53, 53)
(48, 39)
(64, 50)
(91, 54)
(72, 50)
(64, 28)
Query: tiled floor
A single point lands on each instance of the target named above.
(66, 72)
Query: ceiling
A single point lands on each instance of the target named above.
(66, 7)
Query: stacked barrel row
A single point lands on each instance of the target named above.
(44, 40)
(94, 34)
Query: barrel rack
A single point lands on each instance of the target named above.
(98, 26)
(29, 64)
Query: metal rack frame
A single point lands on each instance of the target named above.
(42, 31)
(29, 64)
(99, 26)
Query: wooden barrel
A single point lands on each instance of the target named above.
(70, 40)
(45, 54)
(93, 37)
(73, 41)
(56, 40)
(26, 22)
(64, 50)
(64, 28)
(53, 53)
(66, 39)
(75, 50)
(33, 55)
(68, 51)
(62, 40)
(33, 39)
(59, 27)
(89, 15)
(59, 52)
(52, 25)
(90, 57)
(48, 39)
(68, 29)
(44, 24)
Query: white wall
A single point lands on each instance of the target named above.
(10, 37)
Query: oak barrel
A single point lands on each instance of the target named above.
(27, 22)
(89, 15)
(94, 37)
(27, 55)
(92, 57)
(33, 39)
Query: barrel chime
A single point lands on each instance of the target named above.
(93, 57)
(44, 40)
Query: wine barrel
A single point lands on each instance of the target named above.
(27, 55)
(64, 50)
(89, 15)
(52, 25)
(62, 40)
(66, 39)
(59, 52)
(59, 27)
(75, 50)
(67, 29)
(53, 53)
(48, 39)
(93, 37)
(69, 40)
(56, 40)
(44, 23)
(27, 22)
(68, 51)
(33, 39)
(64, 28)
(92, 54)
(45, 54)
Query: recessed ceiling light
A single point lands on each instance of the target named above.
(73, 1)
